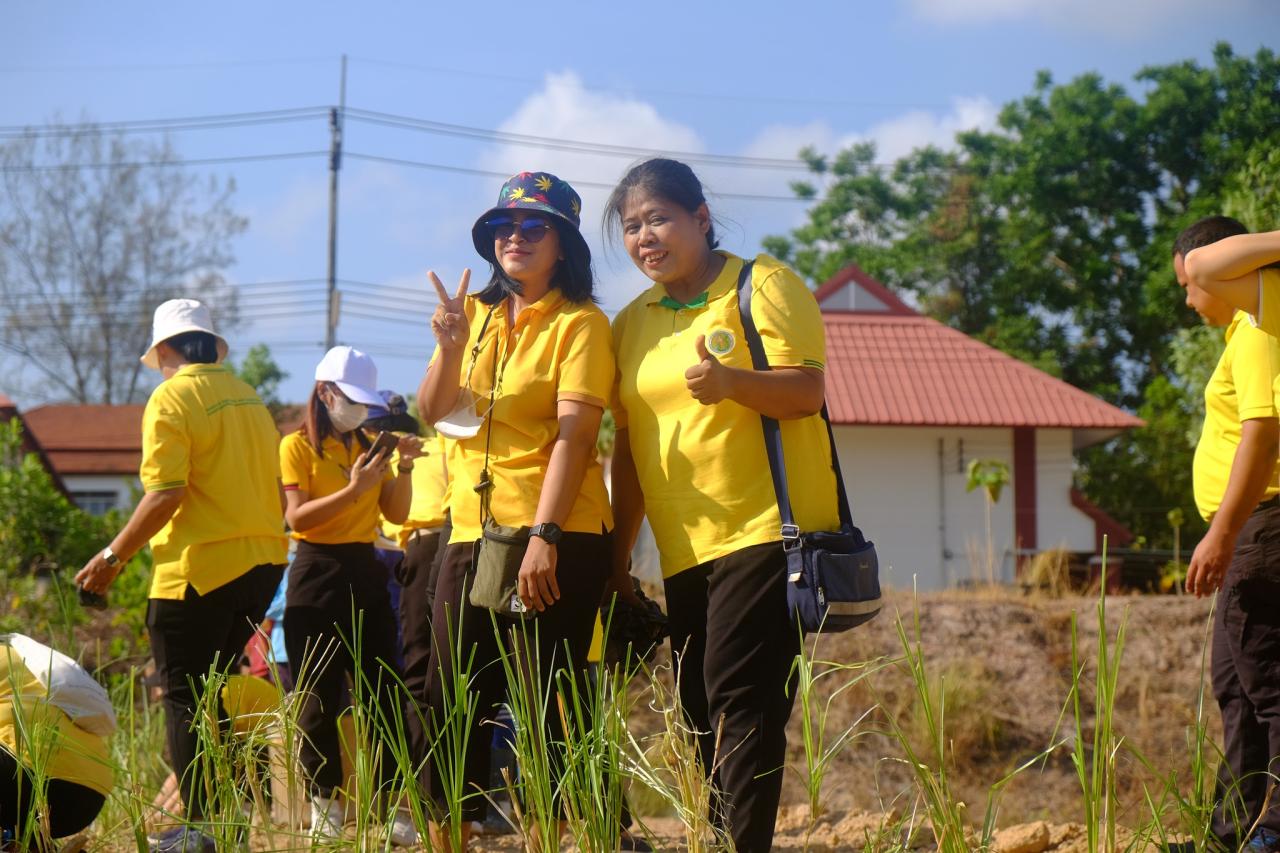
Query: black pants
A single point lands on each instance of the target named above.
(72, 807)
(187, 637)
(417, 582)
(735, 647)
(1246, 680)
(338, 621)
(582, 567)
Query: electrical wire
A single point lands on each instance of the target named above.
(151, 164)
(488, 173)
(153, 125)
(579, 146)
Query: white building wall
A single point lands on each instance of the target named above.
(101, 484)
(1058, 523)
(907, 490)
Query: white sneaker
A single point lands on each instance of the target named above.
(403, 832)
(326, 818)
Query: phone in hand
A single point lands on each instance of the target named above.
(91, 600)
(387, 441)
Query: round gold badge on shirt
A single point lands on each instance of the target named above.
(720, 342)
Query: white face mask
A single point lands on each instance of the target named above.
(462, 422)
(345, 415)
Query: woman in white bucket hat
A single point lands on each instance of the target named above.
(212, 510)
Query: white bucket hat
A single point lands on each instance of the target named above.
(176, 317)
(353, 372)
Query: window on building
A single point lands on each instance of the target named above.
(96, 503)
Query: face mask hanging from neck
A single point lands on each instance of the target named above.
(345, 415)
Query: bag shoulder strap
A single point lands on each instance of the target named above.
(773, 431)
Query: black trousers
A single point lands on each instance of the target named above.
(187, 637)
(582, 567)
(735, 646)
(1246, 680)
(417, 582)
(72, 807)
(338, 622)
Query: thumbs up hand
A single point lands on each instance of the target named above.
(708, 381)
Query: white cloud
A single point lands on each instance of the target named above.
(1101, 16)
(564, 109)
(898, 136)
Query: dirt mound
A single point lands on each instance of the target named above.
(1004, 662)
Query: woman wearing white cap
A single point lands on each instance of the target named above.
(338, 616)
(212, 512)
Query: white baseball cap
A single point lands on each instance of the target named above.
(176, 317)
(353, 372)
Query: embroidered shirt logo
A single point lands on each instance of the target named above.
(720, 342)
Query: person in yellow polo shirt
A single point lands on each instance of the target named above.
(212, 511)
(419, 541)
(338, 618)
(40, 744)
(1238, 492)
(1242, 270)
(690, 455)
(520, 377)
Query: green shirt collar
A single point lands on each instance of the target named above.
(699, 301)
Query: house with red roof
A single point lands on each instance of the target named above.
(94, 449)
(913, 402)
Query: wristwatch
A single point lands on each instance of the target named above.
(548, 531)
(110, 557)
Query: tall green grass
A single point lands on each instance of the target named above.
(627, 728)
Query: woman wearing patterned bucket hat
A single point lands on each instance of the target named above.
(519, 380)
(689, 455)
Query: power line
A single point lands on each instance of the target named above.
(665, 93)
(203, 122)
(172, 66)
(488, 173)
(150, 164)
(579, 146)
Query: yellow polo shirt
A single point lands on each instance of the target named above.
(303, 469)
(430, 481)
(1243, 386)
(205, 429)
(556, 350)
(703, 469)
(1269, 301)
(36, 732)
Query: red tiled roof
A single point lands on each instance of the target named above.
(855, 275)
(123, 462)
(908, 370)
(87, 428)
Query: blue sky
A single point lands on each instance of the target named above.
(747, 78)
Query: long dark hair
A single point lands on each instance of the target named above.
(316, 426)
(572, 276)
(662, 178)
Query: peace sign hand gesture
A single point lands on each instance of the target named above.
(449, 322)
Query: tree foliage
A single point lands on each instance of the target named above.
(260, 370)
(94, 233)
(38, 523)
(1049, 237)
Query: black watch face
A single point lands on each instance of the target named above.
(548, 531)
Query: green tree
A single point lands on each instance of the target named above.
(95, 232)
(38, 523)
(1050, 238)
(260, 370)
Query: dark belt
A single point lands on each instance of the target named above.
(1270, 503)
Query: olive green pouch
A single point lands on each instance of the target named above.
(497, 570)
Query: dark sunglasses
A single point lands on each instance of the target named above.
(531, 230)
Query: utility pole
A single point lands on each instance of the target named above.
(336, 118)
